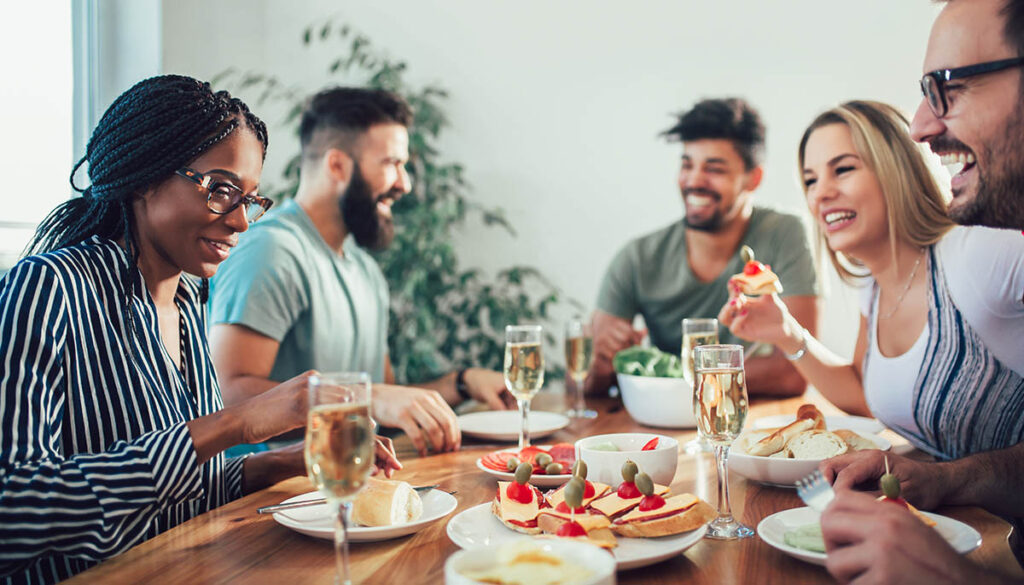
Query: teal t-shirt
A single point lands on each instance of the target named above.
(328, 312)
(651, 276)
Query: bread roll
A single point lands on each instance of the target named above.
(809, 411)
(855, 440)
(778, 440)
(816, 445)
(386, 502)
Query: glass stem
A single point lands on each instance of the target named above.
(581, 403)
(341, 576)
(524, 428)
(724, 507)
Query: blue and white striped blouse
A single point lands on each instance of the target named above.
(95, 456)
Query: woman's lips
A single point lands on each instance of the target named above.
(219, 249)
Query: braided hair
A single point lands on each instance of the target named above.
(150, 131)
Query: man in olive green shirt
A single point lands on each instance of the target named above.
(682, 270)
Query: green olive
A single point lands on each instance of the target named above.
(644, 483)
(747, 254)
(574, 493)
(554, 469)
(512, 464)
(890, 486)
(629, 470)
(523, 473)
(580, 469)
(542, 459)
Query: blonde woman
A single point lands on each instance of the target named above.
(938, 354)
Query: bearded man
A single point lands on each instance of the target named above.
(301, 292)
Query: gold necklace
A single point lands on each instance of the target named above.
(899, 300)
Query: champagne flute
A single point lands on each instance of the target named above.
(720, 403)
(524, 371)
(579, 351)
(696, 332)
(340, 448)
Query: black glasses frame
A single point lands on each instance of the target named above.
(235, 196)
(933, 84)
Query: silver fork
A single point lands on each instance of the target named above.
(318, 501)
(815, 491)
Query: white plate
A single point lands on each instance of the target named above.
(318, 520)
(536, 479)
(503, 425)
(854, 423)
(477, 526)
(773, 529)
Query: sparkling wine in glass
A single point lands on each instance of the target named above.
(696, 332)
(340, 448)
(579, 352)
(720, 405)
(524, 371)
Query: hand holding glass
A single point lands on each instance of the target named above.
(524, 371)
(340, 448)
(720, 405)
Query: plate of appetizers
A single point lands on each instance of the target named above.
(395, 510)
(503, 425)
(477, 526)
(639, 523)
(551, 463)
(780, 456)
(797, 533)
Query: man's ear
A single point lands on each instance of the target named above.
(754, 177)
(338, 165)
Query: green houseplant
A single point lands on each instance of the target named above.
(442, 315)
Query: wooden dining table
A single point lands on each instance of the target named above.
(234, 544)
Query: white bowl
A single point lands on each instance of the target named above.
(606, 466)
(599, 562)
(777, 471)
(658, 402)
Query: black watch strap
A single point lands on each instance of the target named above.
(460, 384)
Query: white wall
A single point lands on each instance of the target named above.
(556, 106)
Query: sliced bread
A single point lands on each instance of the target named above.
(816, 444)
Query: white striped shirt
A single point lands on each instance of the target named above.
(95, 456)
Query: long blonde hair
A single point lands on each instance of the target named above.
(914, 204)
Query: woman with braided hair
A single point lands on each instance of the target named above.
(111, 421)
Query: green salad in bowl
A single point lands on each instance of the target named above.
(654, 390)
(647, 361)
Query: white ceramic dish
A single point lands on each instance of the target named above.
(536, 479)
(776, 471)
(503, 425)
(318, 521)
(477, 526)
(658, 402)
(597, 561)
(606, 466)
(859, 424)
(773, 529)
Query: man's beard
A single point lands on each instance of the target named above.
(359, 212)
(999, 201)
(712, 223)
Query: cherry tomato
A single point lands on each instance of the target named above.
(627, 491)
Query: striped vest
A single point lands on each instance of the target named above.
(965, 400)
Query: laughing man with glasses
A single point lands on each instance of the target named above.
(972, 116)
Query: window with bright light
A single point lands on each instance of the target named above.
(35, 118)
